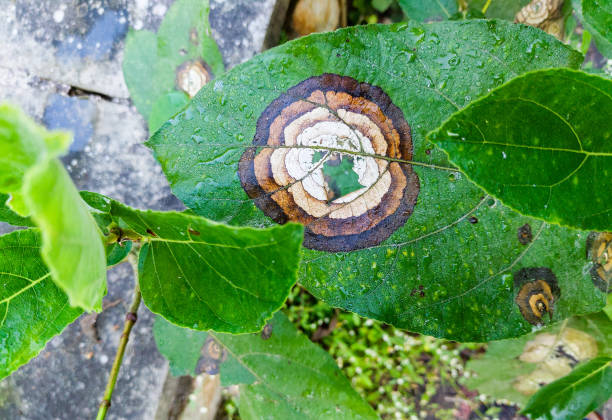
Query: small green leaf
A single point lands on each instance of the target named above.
(428, 11)
(116, 253)
(538, 144)
(32, 308)
(138, 69)
(597, 16)
(72, 246)
(282, 375)
(575, 395)
(153, 62)
(204, 275)
(185, 36)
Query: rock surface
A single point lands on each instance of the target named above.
(61, 62)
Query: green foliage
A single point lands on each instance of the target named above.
(498, 9)
(293, 377)
(41, 188)
(152, 62)
(428, 11)
(7, 215)
(555, 164)
(181, 346)
(516, 368)
(32, 308)
(165, 107)
(575, 395)
(446, 65)
(204, 275)
(597, 17)
(394, 370)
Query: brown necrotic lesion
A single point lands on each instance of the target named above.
(599, 251)
(192, 75)
(322, 156)
(537, 292)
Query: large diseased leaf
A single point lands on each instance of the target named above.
(272, 140)
(204, 275)
(281, 375)
(517, 368)
(32, 308)
(41, 188)
(575, 395)
(542, 143)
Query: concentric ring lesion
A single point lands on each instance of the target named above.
(312, 161)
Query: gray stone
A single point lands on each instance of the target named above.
(243, 28)
(61, 62)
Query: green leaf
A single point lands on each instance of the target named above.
(72, 246)
(428, 11)
(9, 216)
(153, 62)
(204, 275)
(165, 107)
(461, 247)
(515, 369)
(575, 395)
(32, 308)
(138, 69)
(498, 9)
(597, 17)
(536, 144)
(381, 5)
(282, 375)
(181, 346)
(183, 36)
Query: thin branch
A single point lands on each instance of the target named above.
(130, 320)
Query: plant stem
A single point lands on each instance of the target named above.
(486, 6)
(130, 320)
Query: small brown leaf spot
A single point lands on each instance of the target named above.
(420, 291)
(599, 251)
(193, 232)
(538, 290)
(183, 51)
(193, 36)
(192, 75)
(266, 333)
(473, 220)
(208, 366)
(213, 349)
(543, 14)
(428, 152)
(150, 232)
(524, 234)
(338, 55)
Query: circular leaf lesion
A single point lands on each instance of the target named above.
(599, 251)
(326, 154)
(538, 291)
